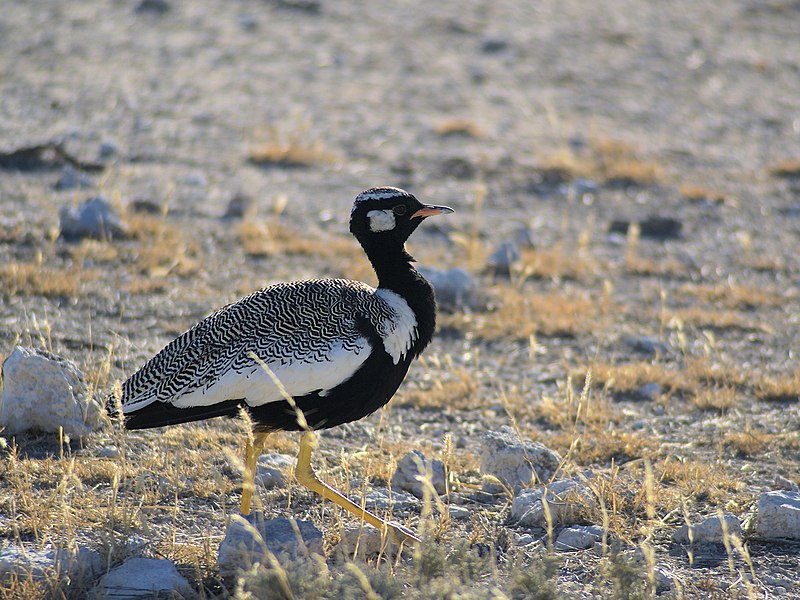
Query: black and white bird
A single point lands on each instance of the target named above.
(304, 355)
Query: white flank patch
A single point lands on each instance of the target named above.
(399, 332)
(381, 220)
(299, 377)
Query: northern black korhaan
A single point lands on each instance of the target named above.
(304, 355)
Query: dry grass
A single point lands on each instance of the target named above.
(271, 237)
(701, 193)
(519, 314)
(785, 388)
(614, 162)
(459, 127)
(706, 318)
(459, 391)
(38, 279)
(712, 483)
(162, 249)
(556, 263)
(786, 168)
(732, 296)
(716, 398)
(747, 443)
(291, 146)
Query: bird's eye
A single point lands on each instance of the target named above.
(400, 210)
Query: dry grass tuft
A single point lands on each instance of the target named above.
(36, 279)
(459, 127)
(556, 263)
(715, 398)
(786, 168)
(713, 483)
(747, 443)
(701, 193)
(627, 378)
(731, 296)
(785, 388)
(720, 320)
(518, 314)
(163, 249)
(270, 238)
(291, 148)
(458, 391)
(613, 161)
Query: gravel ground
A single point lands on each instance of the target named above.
(558, 117)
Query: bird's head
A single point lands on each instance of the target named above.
(387, 216)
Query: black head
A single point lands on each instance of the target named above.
(388, 215)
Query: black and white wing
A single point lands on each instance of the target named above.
(307, 333)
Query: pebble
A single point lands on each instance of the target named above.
(412, 467)
(239, 206)
(143, 578)
(494, 44)
(458, 512)
(709, 531)
(108, 149)
(646, 344)
(154, 7)
(778, 515)
(650, 391)
(42, 391)
(396, 502)
(515, 462)
(94, 218)
(655, 227)
(454, 288)
(362, 539)
(270, 470)
(247, 538)
(38, 564)
(528, 509)
(502, 260)
(71, 179)
(578, 537)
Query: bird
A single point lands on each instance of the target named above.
(302, 355)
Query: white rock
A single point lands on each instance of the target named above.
(515, 463)
(248, 539)
(708, 531)
(778, 515)
(414, 466)
(454, 288)
(565, 499)
(95, 218)
(42, 391)
(782, 483)
(143, 578)
(458, 512)
(396, 502)
(503, 259)
(578, 537)
(271, 469)
(362, 539)
(81, 563)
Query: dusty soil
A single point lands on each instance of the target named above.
(560, 117)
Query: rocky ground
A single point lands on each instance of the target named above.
(637, 165)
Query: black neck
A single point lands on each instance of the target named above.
(396, 273)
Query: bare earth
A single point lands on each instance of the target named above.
(557, 117)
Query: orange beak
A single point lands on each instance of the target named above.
(430, 210)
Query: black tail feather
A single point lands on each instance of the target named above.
(160, 414)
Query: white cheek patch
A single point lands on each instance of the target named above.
(381, 220)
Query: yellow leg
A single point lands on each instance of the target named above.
(305, 476)
(251, 456)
